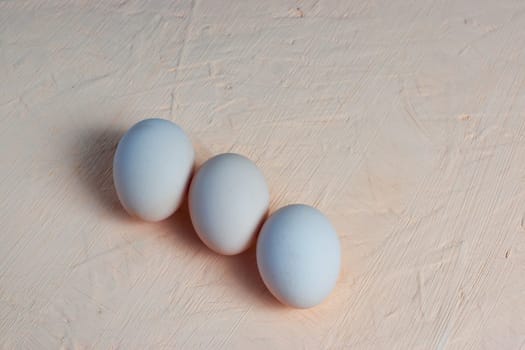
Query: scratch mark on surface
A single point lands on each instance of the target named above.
(443, 340)
(8, 102)
(224, 106)
(409, 108)
(172, 101)
(184, 40)
(236, 326)
(480, 38)
(87, 82)
(419, 293)
(98, 303)
(104, 253)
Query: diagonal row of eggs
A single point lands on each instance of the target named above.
(298, 250)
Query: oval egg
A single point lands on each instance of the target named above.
(152, 167)
(299, 255)
(228, 200)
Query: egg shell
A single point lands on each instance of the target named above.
(299, 255)
(152, 168)
(228, 201)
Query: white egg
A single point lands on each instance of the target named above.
(228, 200)
(299, 255)
(152, 168)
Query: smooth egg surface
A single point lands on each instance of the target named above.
(152, 168)
(228, 200)
(299, 255)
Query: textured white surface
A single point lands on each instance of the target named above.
(403, 121)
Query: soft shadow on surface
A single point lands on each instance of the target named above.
(244, 268)
(180, 225)
(95, 152)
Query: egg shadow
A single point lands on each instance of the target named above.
(94, 151)
(180, 227)
(244, 269)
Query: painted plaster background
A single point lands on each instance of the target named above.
(404, 121)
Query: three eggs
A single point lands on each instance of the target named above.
(298, 250)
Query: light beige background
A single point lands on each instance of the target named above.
(404, 121)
